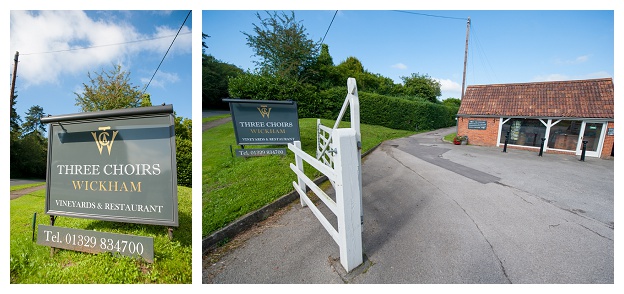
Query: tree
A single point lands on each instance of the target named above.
(146, 100)
(29, 148)
(215, 77)
(204, 46)
(322, 72)
(15, 118)
(29, 156)
(33, 120)
(184, 147)
(366, 81)
(351, 66)
(282, 45)
(453, 102)
(109, 90)
(421, 86)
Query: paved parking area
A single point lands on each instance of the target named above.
(437, 213)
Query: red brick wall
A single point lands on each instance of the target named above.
(608, 143)
(485, 137)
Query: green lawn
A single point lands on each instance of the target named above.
(20, 187)
(450, 137)
(235, 186)
(216, 117)
(32, 263)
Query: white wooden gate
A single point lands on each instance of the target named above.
(339, 158)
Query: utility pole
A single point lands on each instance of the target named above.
(13, 81)
(465, 58)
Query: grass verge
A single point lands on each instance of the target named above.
(234, 186)
(26, 186)
(32, 264)
(450, 137)
(212, 118)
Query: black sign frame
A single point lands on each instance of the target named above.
(261, 110)
(477, 124)
(161, 113)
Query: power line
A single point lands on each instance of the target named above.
(330, 24)
(161, 61)
(491, 74)
(106, 45)
(430, 15)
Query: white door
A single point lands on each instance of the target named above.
(593, 134)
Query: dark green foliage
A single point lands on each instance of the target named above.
(215, 75)
(322, 71)
(375, 109)
(184, 162)
(28, 146)
(366, 81)
(390, 112)
(109, 90)
(282, 44)
(268, 87)
(184, 151)
(15, 118)
(397, 113)
(455, 102)
(421, 85)
(28, 156)
(33, 120)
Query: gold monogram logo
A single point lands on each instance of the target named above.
(101, 140)
(264, 111)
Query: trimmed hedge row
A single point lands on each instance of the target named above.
(375, 109)
(390, 112)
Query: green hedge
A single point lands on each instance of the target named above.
(184, 162)
(265, 87)
(390, 112)
(375, 109)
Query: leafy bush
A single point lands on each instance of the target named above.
(184, 162)
(267, 87)
(375, 109)
(397, 113)
(391, 112)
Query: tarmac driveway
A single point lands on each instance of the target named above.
(440, 213)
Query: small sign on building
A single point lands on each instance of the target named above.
(477, 124)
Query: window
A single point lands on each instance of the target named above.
(564, 135)
(524, 132)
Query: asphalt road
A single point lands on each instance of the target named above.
(437, 213)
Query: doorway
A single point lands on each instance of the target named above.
(593, 134)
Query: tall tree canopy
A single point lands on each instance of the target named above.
(33, 121)
(29, 147)
(215, 76)
(282, 44)
(421, 85)
(322, 71)
(109, 90)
